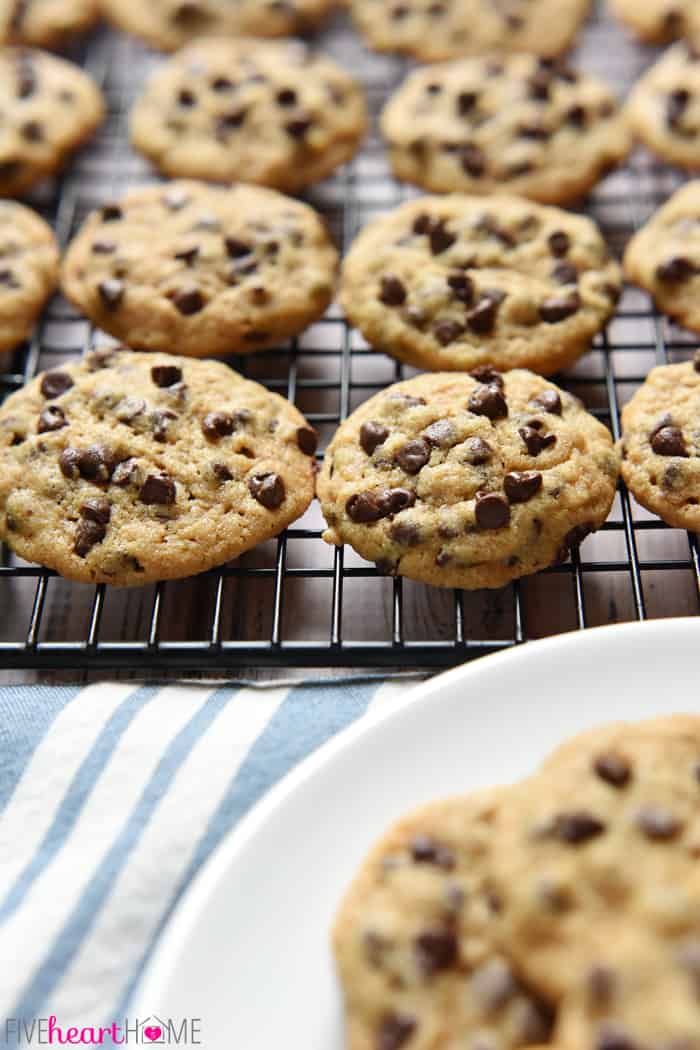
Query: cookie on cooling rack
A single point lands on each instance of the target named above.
(661, 444)
(654, 21)
(45, 23)
(128, 468)
(516, 124)
(272, 113)
(664, 257)
(28, 271)
(416, 939)
(50, 107)
(168, 24)
(432, 31)
(455, 282)
(201, 270)
(664, 107)
(468, 480)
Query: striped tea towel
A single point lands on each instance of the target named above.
(112, 796)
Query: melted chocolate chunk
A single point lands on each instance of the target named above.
(87, 535)
(492, 510)
(55, 383)
(658, 823)
(462, 287)
(216, 425)
(482, 318)
(99, 510)
(372, 435)
(613, 769)
(307, 440)
(559, 243)
(51, 418)
(267, 489)
(413, 456)
(366, 507)
(668, 441)
(488, 400)
(392, 291)
(548, 401)
(166, 375)
(487, 374)
(405, 533)
(558, 307)
(473, 160)
(577, 827)
(426, 850)
(675, 271)
(394, 1031)
(440, 237)
(536, 442)
(189, 300)
(477, 451)
(521, 486)
(160, 422)
(447, 332)
(158, 489)
(436, 950)
(440, 434)
(565, 273)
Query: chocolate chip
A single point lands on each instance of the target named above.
(87, 535)
(613, 769)
(221, 473)
(492, 510)
(440, 434)
(676, 105)
(577, 827)
(366, 507)
(69, 462)
(440, 237)
(405, 533)
(436, 951)
(129, 408)
(675, 270)
(466, 100)
(413, 456)
(447, 332)
(217, 425)
(372, 435)
(125, 473)
(422, 224)
(298, 127)
(158, 489)
(111, 213)
(658, 823)
(394, 1031)
(426, 850)
(559, 243)
(483, 317)
(488, 400)
(559, 307)
(473, 160)
(615, 1037)
(521, 486)
(186, 98)
(160, 423)
(97, 463)
(104, 247)
(307, 440)
(535, 441)
(668, 441)
(32, 131)
(462, 287)
(392, 291)
(236, 249)
(111, 292)
(99, 510)
(576, 116)
(166, 375)
(51, 418)
(564, 273)
(487, 374)
(55, 383)
(477, 451)
(187, 255)
(221, 84)
(188, 300)
(548, 401)
(398, 499)
(267, 489)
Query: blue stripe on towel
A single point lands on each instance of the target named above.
(79, 922)
(26, 715)
(307, 718)
(71, 805)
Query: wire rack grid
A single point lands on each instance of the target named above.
(294, 601)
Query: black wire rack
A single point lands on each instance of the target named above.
(295, 601)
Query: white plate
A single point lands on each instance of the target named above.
(248, 949)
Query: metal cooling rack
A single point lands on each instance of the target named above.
(295, 601)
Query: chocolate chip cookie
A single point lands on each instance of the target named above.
(28, 271)
(45, 23)
(416, 940)
(432, 31)
(664, 107)
(169, 24)
(664, 257)
(455, 282)
(661, 444)
(468, 480)
(272, 113)
(654, 21)
(201, 270)
(516, 123)
(595, 850)
(128, 468)
(49, 107)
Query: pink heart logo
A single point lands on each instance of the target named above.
(153, 1032)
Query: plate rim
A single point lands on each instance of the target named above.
(170, 947)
